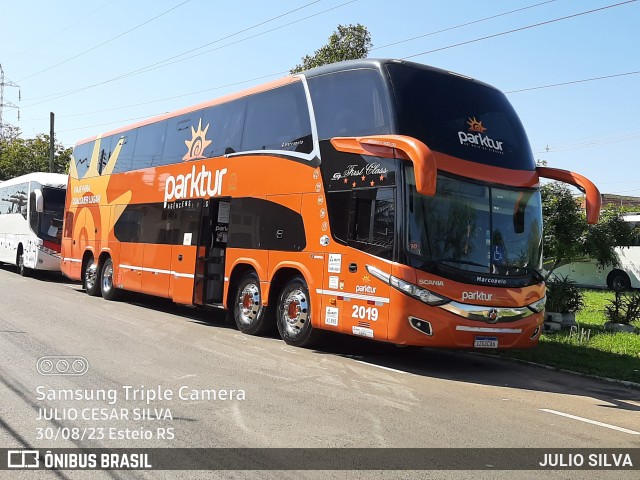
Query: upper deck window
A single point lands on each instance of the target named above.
(350, 103)
(459, 117)
(278, 119)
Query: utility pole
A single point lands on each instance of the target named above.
(5, 103)
(51, 141)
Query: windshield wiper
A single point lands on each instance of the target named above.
(534, 273)
(461, 262)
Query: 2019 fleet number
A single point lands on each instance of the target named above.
(361, 312)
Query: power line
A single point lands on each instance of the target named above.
(113, 123)
(592, 79)
(163, 63)
(463, 25)
(64, 29)
(105, 42)
(593, 143)
(263, 77)
(519, 29)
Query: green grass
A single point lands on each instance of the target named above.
(605, 354)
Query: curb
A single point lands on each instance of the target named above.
(625, 383)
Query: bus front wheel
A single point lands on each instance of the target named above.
(91, 284)
(109, 290)
(293, 315)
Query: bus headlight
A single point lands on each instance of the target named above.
(408, 288)
(539, 305)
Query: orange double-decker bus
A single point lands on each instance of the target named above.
(377, 198)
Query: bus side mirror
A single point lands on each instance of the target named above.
(39, 200)
(593, 199)
(396, 146)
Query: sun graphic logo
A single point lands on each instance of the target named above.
(475, 125)
(197, 144)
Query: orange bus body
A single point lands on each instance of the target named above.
(221, 221)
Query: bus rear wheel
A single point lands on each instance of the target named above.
(90, 278)
(109, 290)
(293, 314)
(248, 312)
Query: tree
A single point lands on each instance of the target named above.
(20, 156)
(346, 43)
(567, 236)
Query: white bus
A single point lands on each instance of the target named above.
(31, 216)
(624, 276)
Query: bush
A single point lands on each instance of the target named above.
(623, 308)
(563, 296)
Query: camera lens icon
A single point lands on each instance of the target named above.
(62, 365)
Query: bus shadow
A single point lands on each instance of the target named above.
(480, 369)
(40, 275)
(454, 365)
(206, 317)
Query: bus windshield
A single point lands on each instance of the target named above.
(50, 222)
(472, 227)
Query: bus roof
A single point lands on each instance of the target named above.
(43, 178)
(370, 63)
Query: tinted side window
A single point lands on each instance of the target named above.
(278, 120)
(364, 219)
(125, 158)
(149, 145)
(349, 103)
(186, 223)
(156, 224)
(127, 228)
(178, 133)
(225, 123)
(13, 199)
(105, 152)
(82, 158)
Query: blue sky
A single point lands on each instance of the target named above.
(52, 48)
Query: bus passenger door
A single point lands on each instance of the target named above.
(214, 232)
(185, 226)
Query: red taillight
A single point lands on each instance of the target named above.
(51, 245)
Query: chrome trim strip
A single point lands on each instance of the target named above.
(462, 328)
(355, 296)
(484, 313)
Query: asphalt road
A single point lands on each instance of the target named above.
(347, 392)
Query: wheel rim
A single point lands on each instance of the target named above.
(249, 304)
(107, 278)
(20, 262)
(90, 276)
(295, 312)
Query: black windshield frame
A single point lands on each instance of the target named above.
(458, 116)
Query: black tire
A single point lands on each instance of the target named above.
(20, 268)
(108, 288)
(293, 314)
(90, 278)
(250, 315)
(619, 281)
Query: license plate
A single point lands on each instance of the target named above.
(485, 342)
